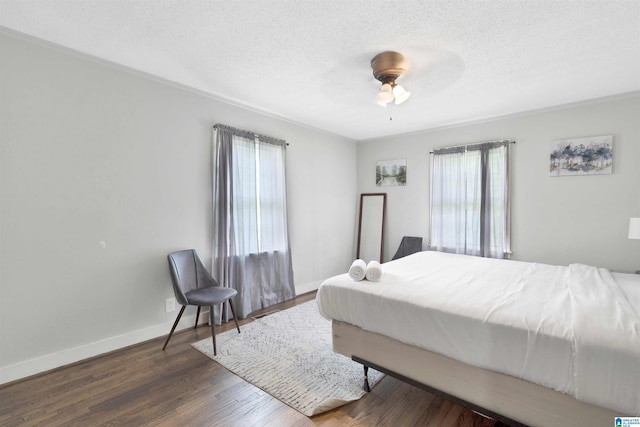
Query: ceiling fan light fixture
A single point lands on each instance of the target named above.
(387, 67)
(400, 94)
(385, 95)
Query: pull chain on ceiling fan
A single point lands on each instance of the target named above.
(387, 67)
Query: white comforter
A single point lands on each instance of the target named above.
(567, 328)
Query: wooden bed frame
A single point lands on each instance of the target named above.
(507, 399)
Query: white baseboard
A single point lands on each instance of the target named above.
(308, 287)
(54, 360)
(64, 357)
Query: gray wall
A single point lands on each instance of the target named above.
(106, 171)
(556, 220)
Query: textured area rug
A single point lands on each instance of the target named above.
(288, 354)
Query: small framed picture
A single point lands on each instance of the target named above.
(391, 172)
(581, 156)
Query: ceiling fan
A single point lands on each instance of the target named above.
(387, 67)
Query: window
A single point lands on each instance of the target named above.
(259, 206)
(250, 241)
(470, 212)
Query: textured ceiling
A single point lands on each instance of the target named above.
(308, 61)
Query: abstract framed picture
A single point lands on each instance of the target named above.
(391, 172)
(592, 155)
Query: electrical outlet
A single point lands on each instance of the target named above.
(170, 305)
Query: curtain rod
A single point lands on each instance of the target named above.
(511, 141)
(256, 135)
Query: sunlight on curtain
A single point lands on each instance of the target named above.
(251, 245)
(470, 211)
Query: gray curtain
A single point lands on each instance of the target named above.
(470, 204)
(251, 251)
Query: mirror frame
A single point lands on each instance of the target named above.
(384, 209)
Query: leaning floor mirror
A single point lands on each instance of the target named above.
(370, 226)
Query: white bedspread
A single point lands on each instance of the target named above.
(567, 328)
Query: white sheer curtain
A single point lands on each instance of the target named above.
(470, 206)
(250, 240)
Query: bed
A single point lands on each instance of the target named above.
(525, 343)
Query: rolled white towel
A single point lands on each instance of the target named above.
(357, 270)
(374, 271)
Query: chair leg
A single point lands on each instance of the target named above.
(197, 317)
(235, 319)
(213, 330)
(174, 327)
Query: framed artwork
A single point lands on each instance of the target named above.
(592, 155)
(391, 172)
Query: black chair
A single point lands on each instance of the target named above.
(193, 285)
(408, 246)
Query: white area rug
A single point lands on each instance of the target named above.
(288, 355)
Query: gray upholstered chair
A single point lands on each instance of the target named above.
(193, 285)
(408, 246)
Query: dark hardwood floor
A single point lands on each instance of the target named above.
(143, 385)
